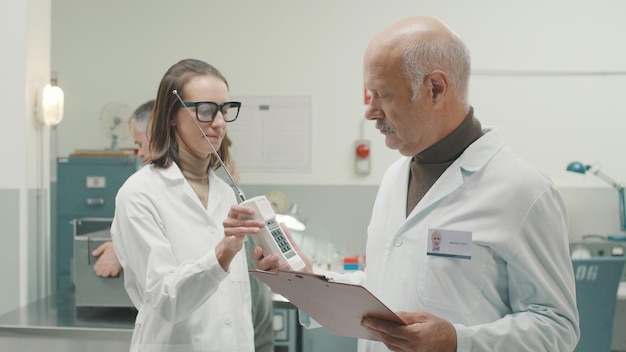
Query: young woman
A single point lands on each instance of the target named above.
(188, 281)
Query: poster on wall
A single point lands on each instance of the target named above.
(272, 134)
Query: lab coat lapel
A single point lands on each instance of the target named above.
(174, 174)
(191, 195)
(447, 183)
(214, 201)
(475, 157)
(397, 194)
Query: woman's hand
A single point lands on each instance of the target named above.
(240, 223)
(237, 226)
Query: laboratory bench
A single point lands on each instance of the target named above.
(56, 324)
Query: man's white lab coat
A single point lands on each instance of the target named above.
(517, 292)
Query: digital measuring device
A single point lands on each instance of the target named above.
(271, 238)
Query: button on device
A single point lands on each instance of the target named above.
(398, 242)
(227, 321)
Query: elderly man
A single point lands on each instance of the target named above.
(503, 278)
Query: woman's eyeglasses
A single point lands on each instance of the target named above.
(207, 110)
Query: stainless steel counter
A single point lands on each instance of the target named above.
(55, 324)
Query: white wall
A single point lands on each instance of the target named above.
(117, 51)
(24, 184)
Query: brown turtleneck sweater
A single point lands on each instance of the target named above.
(427, 166)
(196, 172)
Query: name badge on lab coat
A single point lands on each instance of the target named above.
(449, 243)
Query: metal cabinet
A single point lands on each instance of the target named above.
(86, 188)
(287, 330)
(290, 336)
(320, 340)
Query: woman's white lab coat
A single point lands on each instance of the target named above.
(517, 292)
(165, 241)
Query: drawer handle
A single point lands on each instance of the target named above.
(95, 201)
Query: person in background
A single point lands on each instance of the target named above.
(262, 308)
(187, 279)
(107, 264)
(516, 291)
(138, 123)
(262, 300)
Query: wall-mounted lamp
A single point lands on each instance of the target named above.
(52, 104)
(580, 168)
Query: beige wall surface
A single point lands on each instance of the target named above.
(550, 75)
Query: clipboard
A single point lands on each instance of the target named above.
(338, 307)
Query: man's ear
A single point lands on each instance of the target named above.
(438, 81)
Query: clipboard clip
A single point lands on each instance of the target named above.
(301, 275)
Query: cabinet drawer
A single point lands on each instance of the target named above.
(86, 187)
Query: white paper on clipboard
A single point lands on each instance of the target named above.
(338, 307)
